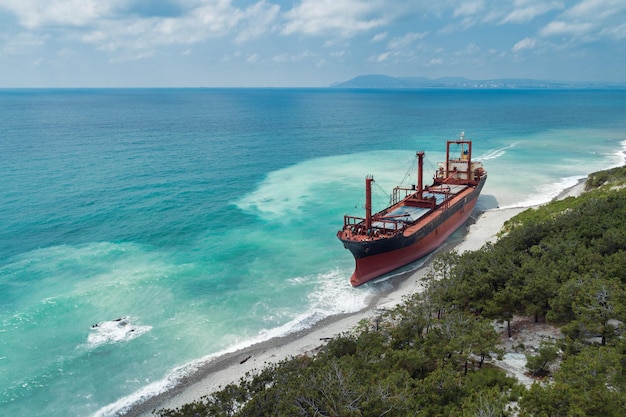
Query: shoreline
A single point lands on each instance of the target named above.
(231, 367)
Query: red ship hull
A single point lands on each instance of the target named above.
(374, 266)
(419, 219)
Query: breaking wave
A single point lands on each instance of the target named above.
(114, 331)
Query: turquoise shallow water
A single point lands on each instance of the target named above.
(206, 219)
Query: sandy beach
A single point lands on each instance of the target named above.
(231, 367)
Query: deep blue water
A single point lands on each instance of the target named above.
(207, 217)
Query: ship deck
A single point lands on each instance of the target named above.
(410, 214)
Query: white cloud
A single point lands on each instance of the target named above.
(469, 8)
(19, 43)
(258, 19)
(106, 25)
(379, 37)
(381, 57)
(283, 58)
(525, 11)
(210, 20)
(33, 13)
(213, 17)
(471, 49)
(435, 61)
(596, 9)
(321, 17)
(526, 43)
(589, 20)
(404, 41)
(617, 32)
(559, 27)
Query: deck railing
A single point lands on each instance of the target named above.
(379, 225)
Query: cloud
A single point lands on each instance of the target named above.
(399, 47)
(212, 19)
(283, 58)
(617, 32)
(525, 11)
(381, 57)
(405, 40)
(379, 37)
(34, 14)
(468, 14)
(559, 27)
(596, 9)
(469, 8)
(471, 49)
(138, 25)
(257, 20)
(526, 43)
(322, 17)
(16, 44)
(435, 61)
(589, 20)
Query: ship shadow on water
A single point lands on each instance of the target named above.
(485, 202)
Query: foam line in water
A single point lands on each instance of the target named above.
(336, 296)
(621, 155)
(547, 192)
(545, 182)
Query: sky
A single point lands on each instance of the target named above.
(305, 43)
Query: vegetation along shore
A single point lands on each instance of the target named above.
(551, 291)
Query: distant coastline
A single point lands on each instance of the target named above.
(378, 81)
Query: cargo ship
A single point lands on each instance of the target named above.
(419, 218)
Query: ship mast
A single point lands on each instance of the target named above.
(420, 172)
(464, 161)
(368, 202)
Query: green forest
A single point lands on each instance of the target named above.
(563, 263)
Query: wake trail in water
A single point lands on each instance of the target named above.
(496, 153)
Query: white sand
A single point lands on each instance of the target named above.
(230, 368)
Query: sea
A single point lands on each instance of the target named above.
(144, 232)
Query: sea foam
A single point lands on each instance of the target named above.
(114, 331)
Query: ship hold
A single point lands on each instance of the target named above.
(419, 219)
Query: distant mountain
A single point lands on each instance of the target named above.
(377, 81)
